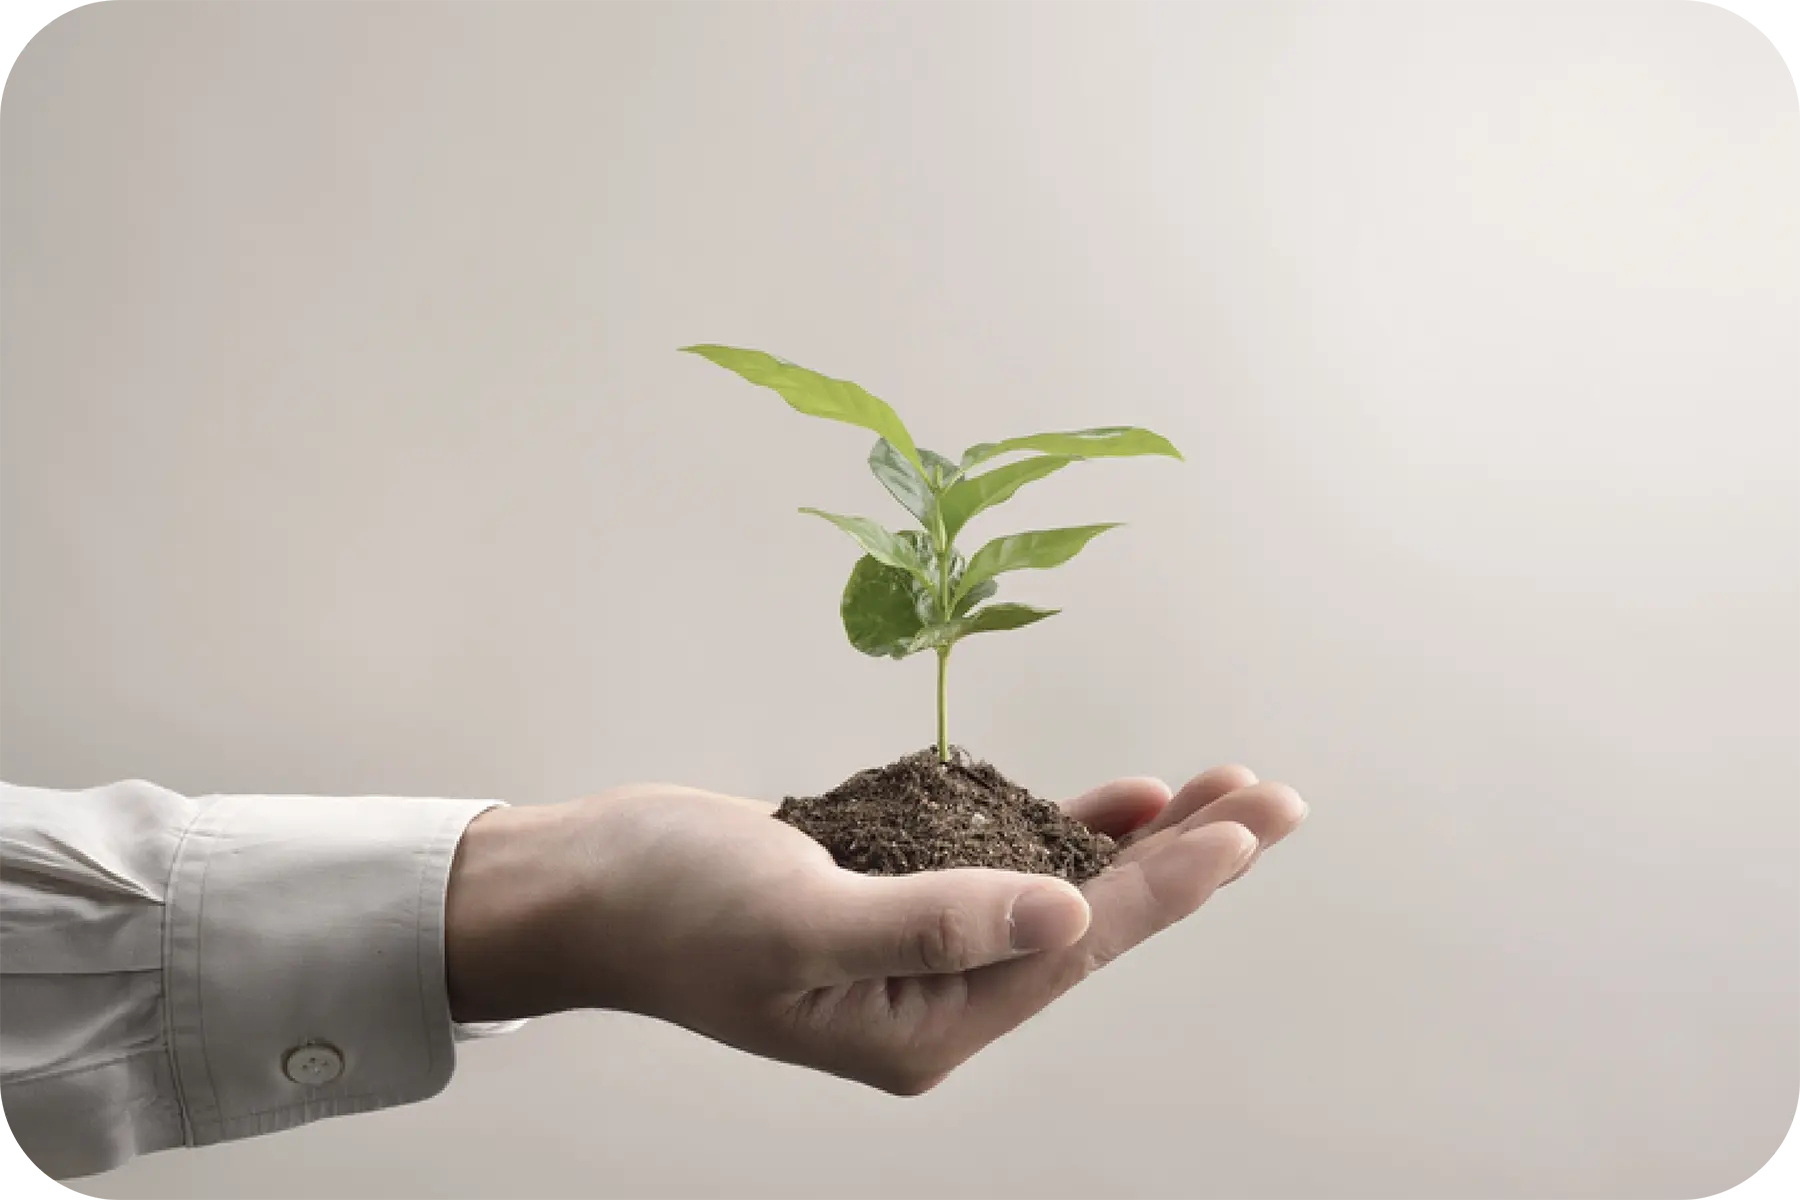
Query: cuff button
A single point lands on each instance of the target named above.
(313, 1064)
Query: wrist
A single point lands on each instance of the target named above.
(499, 918)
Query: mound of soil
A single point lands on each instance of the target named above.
(919, 814)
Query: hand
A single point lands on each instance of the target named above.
(700, 909)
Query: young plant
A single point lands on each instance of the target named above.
(912, 590)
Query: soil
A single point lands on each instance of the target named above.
(918, 814)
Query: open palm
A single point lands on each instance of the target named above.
(697, 908)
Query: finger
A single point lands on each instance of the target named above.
(1164, 887)
(1121, 806)
(1280, 813)
(1196, 794)
(943, 922)
(1130, 903)
(1271, 811)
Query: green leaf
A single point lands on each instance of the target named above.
(926, 602)
(880, 609)
(1112, 441)
(941, 469)
(987, 620)
(981, 591)
(920, 541)
(975, 595)
(975, 493)
(1020, 551)
(930, 611)
(902, 480)
(883, 545)
(814, 394)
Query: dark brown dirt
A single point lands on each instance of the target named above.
(917, 814)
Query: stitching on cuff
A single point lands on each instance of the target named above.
(168, 954)
(386, 1099)
(212, 1088)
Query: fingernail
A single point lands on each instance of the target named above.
(1047, 918)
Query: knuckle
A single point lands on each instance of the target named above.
(940, 941)
(1075, 968)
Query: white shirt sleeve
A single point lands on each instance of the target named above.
(179, 971)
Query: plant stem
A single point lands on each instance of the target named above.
(943, 712)
(941, 542)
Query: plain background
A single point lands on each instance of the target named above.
(346, 449)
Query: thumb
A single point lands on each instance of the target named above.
(943, 922)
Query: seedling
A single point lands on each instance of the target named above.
(912, 590)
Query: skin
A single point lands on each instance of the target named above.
(696, 908)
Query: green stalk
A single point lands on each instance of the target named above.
(943, 656)
(941, 540)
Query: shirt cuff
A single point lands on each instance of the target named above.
(304, 959)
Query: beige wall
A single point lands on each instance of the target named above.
(345, 449)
